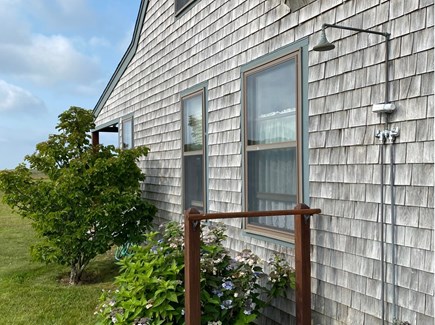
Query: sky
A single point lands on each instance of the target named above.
(55, 54)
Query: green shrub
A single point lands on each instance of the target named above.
(150, 287)
(89, 200)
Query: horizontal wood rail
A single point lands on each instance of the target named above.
(192, 220)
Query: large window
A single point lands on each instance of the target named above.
(272, 144)
(193, 150)
(127, 133)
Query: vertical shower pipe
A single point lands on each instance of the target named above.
(387, 98)
(393, 225)
(382, 137)
(393, 134)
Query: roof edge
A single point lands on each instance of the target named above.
(125, 61)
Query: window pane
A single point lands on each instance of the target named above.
(109, 138)
(272, 185)
(127, 134)
(193, 182)
(192, 123)
(180, 4)
(271, 104)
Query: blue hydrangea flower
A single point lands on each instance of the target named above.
(228, 285)
(217, 292)
(227, 304)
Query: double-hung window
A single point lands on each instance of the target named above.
(127, 133)
(272, 143)
(193, 150)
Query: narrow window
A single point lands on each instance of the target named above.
(127, 133)
(272, 158)
(193, 150)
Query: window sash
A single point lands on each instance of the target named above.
(193, 182)
(270, 141)
(193, 110)
(180, 5)
(127, 133)
(272, 185)
(193, 122)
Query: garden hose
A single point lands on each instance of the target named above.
(123, 251)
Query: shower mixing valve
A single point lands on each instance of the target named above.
(381, 135)
(393, 134)
(389, 135)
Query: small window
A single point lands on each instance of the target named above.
(272, 159)
(181, 5)
(127, 133)
(193, 150)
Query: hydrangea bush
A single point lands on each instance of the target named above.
(150, 287)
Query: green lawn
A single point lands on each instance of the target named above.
(34, 293)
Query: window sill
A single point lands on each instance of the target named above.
(277, 239)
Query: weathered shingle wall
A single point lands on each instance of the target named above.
(345, 157)
(210, 43)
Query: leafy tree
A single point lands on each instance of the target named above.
(89, 200)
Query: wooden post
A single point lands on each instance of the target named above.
(95, 138)
(192, 307)
(303, 267)
(192, 268)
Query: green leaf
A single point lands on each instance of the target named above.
(159, 301)
(172, 296)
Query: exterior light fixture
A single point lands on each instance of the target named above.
(325, 45)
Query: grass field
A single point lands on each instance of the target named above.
(34, 293)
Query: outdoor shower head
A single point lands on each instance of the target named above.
(323, 44)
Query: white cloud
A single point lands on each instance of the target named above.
(19, 100)
(29, 51)
(48, 60)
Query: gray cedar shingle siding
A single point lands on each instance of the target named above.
(414, 172)
(210, 43)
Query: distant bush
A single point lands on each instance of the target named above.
(150, 287)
